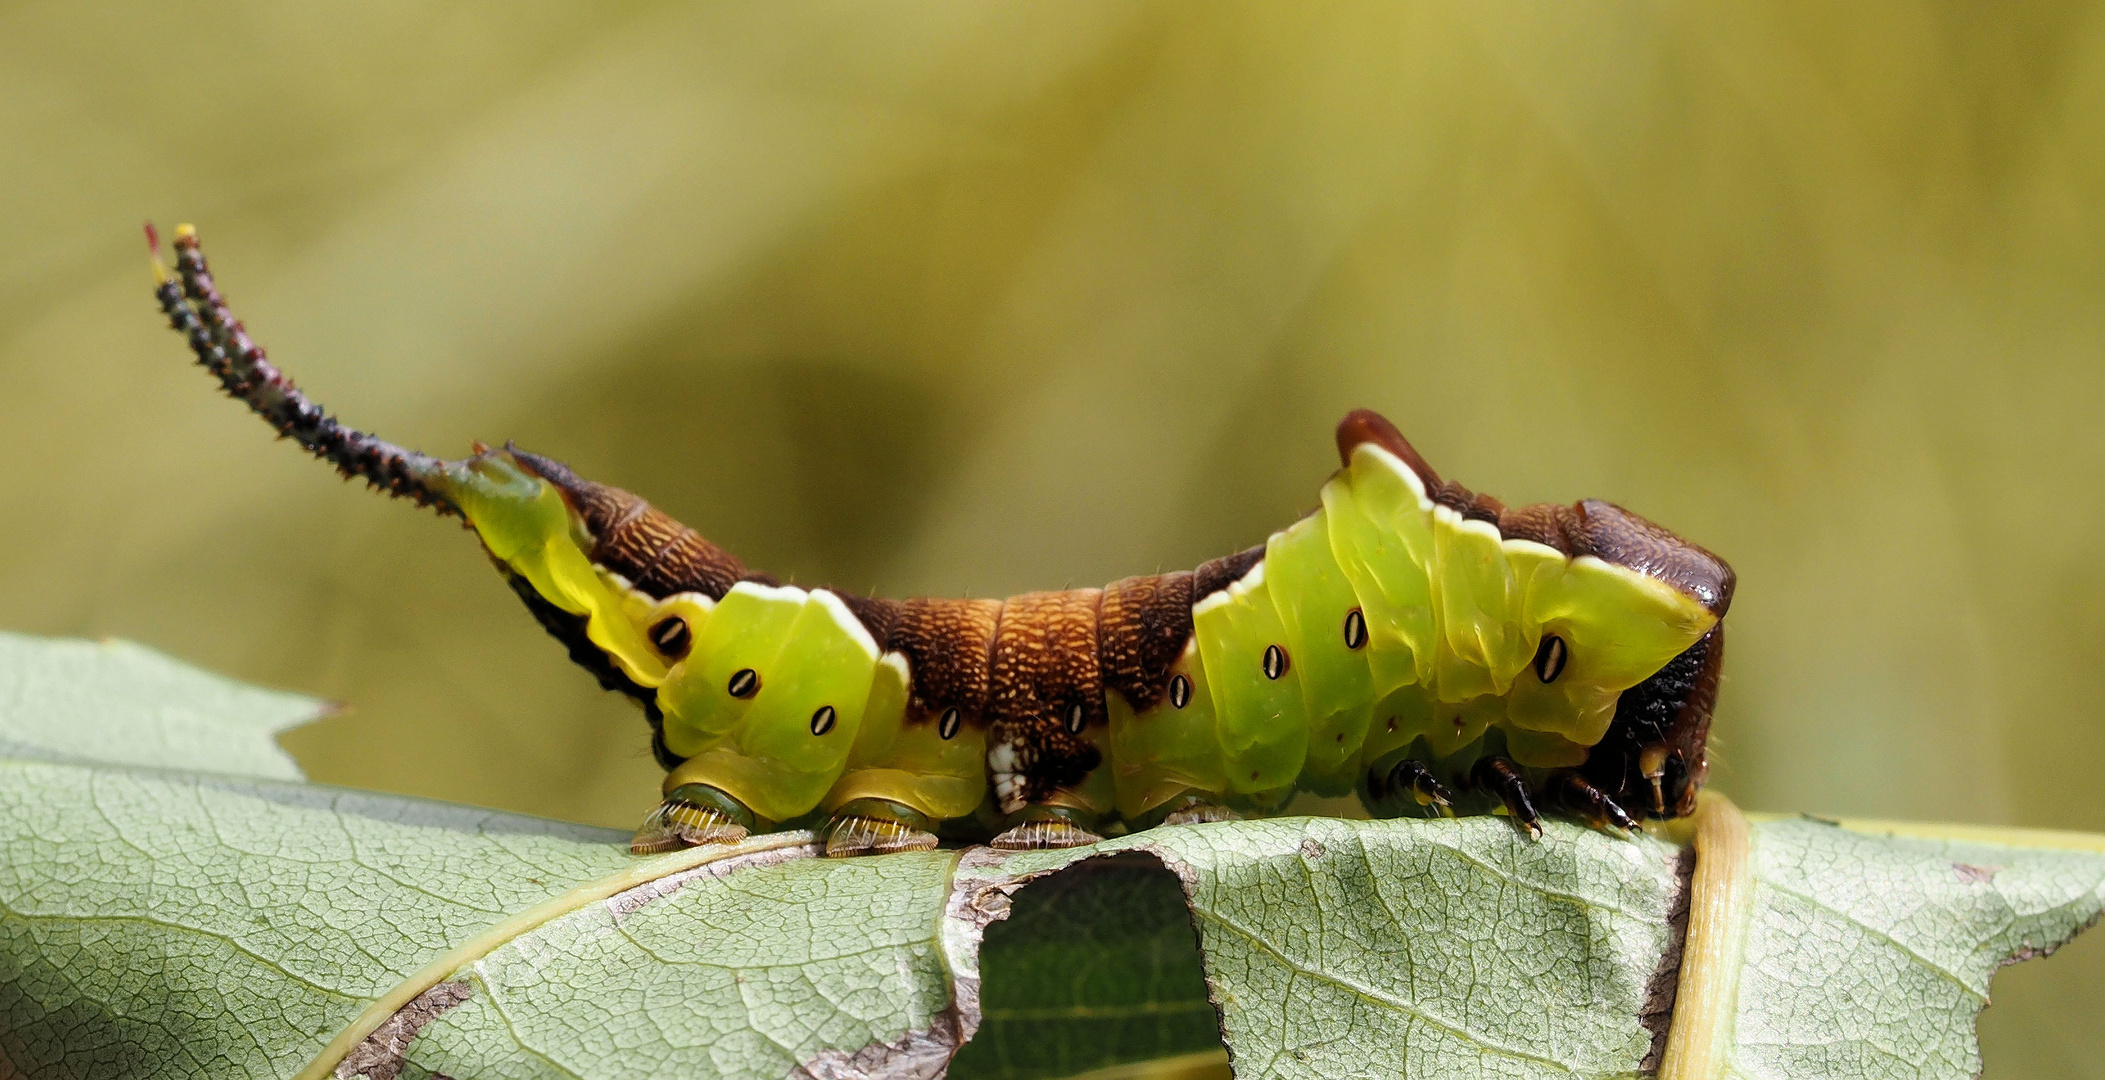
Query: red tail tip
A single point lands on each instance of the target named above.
(153, 238)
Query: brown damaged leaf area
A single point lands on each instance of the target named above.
(916, 1055)
(981, 894)
(384, 1053)
(974, 902)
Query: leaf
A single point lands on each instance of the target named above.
(1433, 948)
(121, 704)
(160, 922)
(756, 972)
(1870, 956)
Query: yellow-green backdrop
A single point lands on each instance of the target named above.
(976, 298)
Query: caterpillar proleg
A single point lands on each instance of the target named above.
(1429, 648)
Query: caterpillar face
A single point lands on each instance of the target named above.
(1426, 646)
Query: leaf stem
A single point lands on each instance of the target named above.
(1706, 998)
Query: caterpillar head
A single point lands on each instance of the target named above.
(1631, 631)
(1656, 752)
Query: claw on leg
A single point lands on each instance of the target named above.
(1417, 778)
(692, 814)
(1036, 827)
(1502, 778)
(877, 827)
(1591, 803)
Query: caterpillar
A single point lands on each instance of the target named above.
(1429, 648)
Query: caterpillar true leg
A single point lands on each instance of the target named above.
(1406, 636)
(1502, 778)
(1414, 778)
(1589, 802)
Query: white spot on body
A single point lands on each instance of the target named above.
(1004, 765)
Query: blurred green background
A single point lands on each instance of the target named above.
(978, 298)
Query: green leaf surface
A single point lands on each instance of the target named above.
(1427, 949)
(752, 971)
(1870, 956)
(120, 704)
(175, 922)
(156, 924)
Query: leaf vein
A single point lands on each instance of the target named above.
(1378, 998)
(1954, 977)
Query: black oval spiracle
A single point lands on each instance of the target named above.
(1274, 661)
(745, 682)
(1355, 629)
(947, 725)
(671, 637)
(822, 720)
(1075, 719)
(1179, 692)
(1550, 658)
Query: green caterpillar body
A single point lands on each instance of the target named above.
(1429, 648)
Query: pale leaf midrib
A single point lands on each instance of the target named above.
(482, 944)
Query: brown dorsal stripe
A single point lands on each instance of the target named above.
(876, 614)
(601, 505)
(1212, 577)
(1467, 503)
(689, 564)
(1045, 667)
(946, 644)
(1548, 524)
(1141, 629)
(639, 541)
(1367, 426)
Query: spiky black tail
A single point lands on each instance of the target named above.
(196, 310)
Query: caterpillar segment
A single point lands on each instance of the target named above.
(1423, 646)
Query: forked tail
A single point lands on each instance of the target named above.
(196, 310)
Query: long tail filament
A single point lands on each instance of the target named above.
(196, 310)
